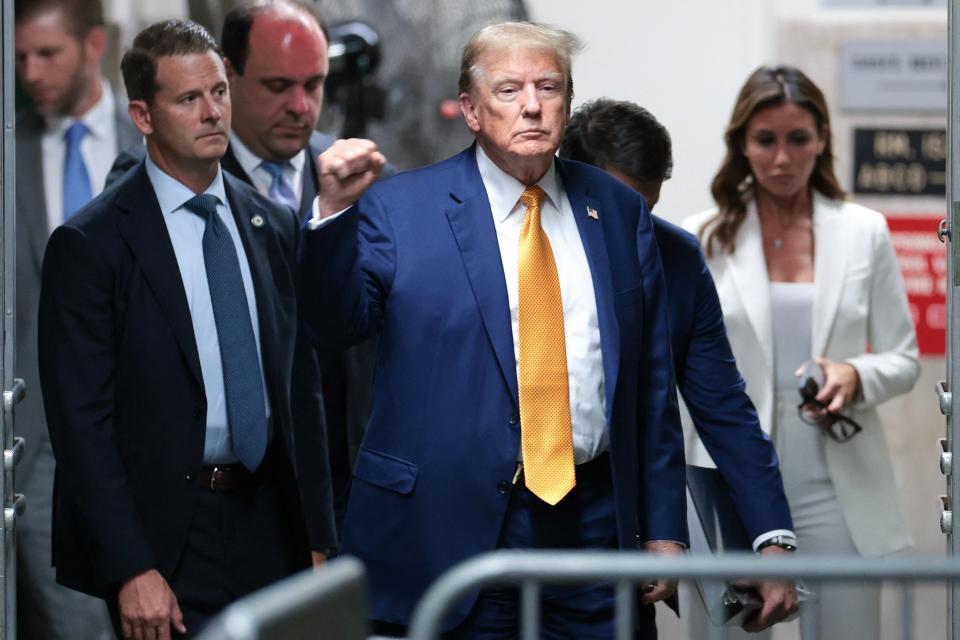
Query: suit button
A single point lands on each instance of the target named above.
(503, 487)
(513, 419)
(197, 413)
(189, 477)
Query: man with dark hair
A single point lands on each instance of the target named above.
(626, 140)
(276, 61)
(276, 57)
(184, 408)
(65, 142)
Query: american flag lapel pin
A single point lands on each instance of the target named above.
(592, 213)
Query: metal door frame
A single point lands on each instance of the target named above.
(945, 389)
(13, 389)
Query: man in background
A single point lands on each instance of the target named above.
(65, 142)
(627, 142)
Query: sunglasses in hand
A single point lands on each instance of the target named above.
(814, 412)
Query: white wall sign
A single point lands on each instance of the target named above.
(893, 75)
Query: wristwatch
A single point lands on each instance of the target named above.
(787, 543)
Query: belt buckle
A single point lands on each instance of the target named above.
(213, 476)
(518, 476)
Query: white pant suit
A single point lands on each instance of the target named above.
(843, 496)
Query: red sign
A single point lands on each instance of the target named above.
(923, 263)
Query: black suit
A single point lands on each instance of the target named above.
(347, 375)
(124, 392)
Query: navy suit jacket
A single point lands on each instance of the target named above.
(124, 393)
(713, 389)
(417, 262)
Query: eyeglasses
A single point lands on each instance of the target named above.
(839, 427)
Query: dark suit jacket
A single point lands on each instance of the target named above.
(349, 371)
(417, 262)
(124, 392)
(32, 235)
(713, 388)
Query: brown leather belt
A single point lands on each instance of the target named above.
(225, 477)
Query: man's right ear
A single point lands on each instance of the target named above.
(140, 114)
(469, 111)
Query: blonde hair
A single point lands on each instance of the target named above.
(527, 35)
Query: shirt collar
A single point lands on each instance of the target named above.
(504, 191)
(249, 161)
(173, 194)
(99, 118)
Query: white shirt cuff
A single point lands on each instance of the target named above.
(763, 537)
(316, 221)
(682, 545)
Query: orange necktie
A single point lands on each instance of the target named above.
(546, 435)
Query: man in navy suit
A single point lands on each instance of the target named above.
(184, 408)
(627, 141)
(277, 60)
(448, 266)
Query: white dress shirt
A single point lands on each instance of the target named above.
(261, 178)
(581, 326)
(98, 149)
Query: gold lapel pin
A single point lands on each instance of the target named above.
(593, 213)
(257, 221)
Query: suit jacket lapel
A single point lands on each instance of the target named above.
(263, 258)
(146, 234)
(749, 270)
(595, 245)
(30, 169)
(830, 258)
(472, 226)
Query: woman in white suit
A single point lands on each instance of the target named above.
(804, 275)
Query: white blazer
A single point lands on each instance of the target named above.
(860, 316)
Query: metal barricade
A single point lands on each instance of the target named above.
(329, 603)
(625, 570)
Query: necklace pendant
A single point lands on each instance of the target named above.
(777, 244)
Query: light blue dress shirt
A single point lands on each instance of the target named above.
(186, 233)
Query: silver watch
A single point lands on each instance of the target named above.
(787, 543)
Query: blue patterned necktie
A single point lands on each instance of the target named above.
(246, 411)
(280, 190)
(76, 180)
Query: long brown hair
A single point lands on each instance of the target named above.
(766, 87)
